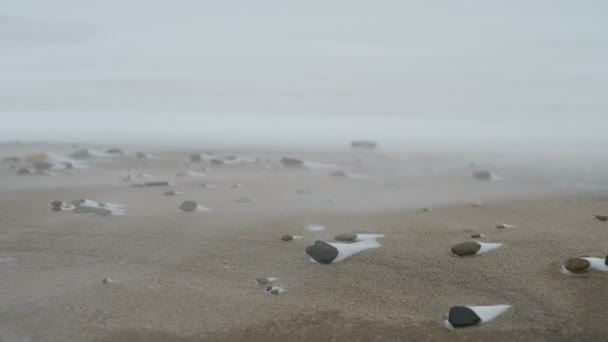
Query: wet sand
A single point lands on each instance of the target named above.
(191, 276)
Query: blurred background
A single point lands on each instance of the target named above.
(517, 75)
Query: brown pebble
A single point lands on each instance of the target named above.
(577, 265)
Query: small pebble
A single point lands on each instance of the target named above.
(269, 288)
(477, 236)
(577, 265)
(107, 280)
(348, 237)
(262, 281)
(188, 206)
(275, 291)
(287, 237)
(601, 217)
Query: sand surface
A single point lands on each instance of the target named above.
(191, 276)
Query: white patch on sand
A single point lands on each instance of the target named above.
(314, 228)
(116, 209)
(319, 166)
(596, 264)
(8, 260)
(201, 209)
(362, 243)
(504, 225)
(191, 174)
(280, 288)
(485, 247)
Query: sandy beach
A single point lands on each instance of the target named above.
(191, 276)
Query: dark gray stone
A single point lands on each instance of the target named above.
(42, 165)
(606, 261)
(461, 316)
(81, 154)
(364, 144)
(291, 162)
(24, 172)
(476, 236)
(286, 237)
(601, 217)
(466, 248)
(57, 203)
(339, 174)
(322, 252)
(196, 158)
(482, 175)
(275, 291)
(171, 193)
(188, 206)
(262, 281)
(348, 237)
(161, 183)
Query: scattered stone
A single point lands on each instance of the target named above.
(364, 144)
(466, 248)
(504, 225)
(81, 154)
(287, 237)
(577, 265)
(56, 208)
(24, 172)
(57, 203)
(160, 183)
(339, 174)
(262, 281)
(275, 291)
(115, 150)
(348, 237)
(107, 280)
(461, 316)
(188, 206)
(42, 165)
(477, 236)
(601, 217)
(291, 162)
(11, 159)
(171, 193)
(322, 252)
(482, 175)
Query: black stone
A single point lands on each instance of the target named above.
(461, 316)
(601, 217)
(291, 162)
(322, 252)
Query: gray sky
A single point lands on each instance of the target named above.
(399, 70)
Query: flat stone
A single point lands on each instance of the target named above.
(461, 316)
(262, 281)
(275, 291)
(42, 165)
(107, 280)
(322, 252)
(577, 265)
(291, 162)
(115, 150)
(81, 154)
(57, 203)
(482, 175)
(171, 193)
(601, 217)
(339, 174)
(364, 144)
(286, 237)
(348, 237)
(476, 236)
(160, 183)
(188, 206)
(56, 208)
(466, 248)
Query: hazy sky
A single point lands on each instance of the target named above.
(396, 69)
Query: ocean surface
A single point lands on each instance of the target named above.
(516, 74)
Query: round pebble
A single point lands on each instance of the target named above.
(275, 291)
(262, 281)
(577, 265)
(286, 237)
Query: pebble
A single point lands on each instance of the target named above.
(364, 144)
(275, 291)
(601, 217)
(577, 265)
(23, 172)
(56, 208)
(171, 193)
(477, 236)
(188, 206)
(322, 252)
(107, 280)
(504, 225)
(461, 316)
(466, 248)
(262, 281)
(287, 237)
(482, 175)
(348, 237)
(291, 162)
(161, 183)
(606, 261)
(81, 154)
(339, 174)
(57, 203)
